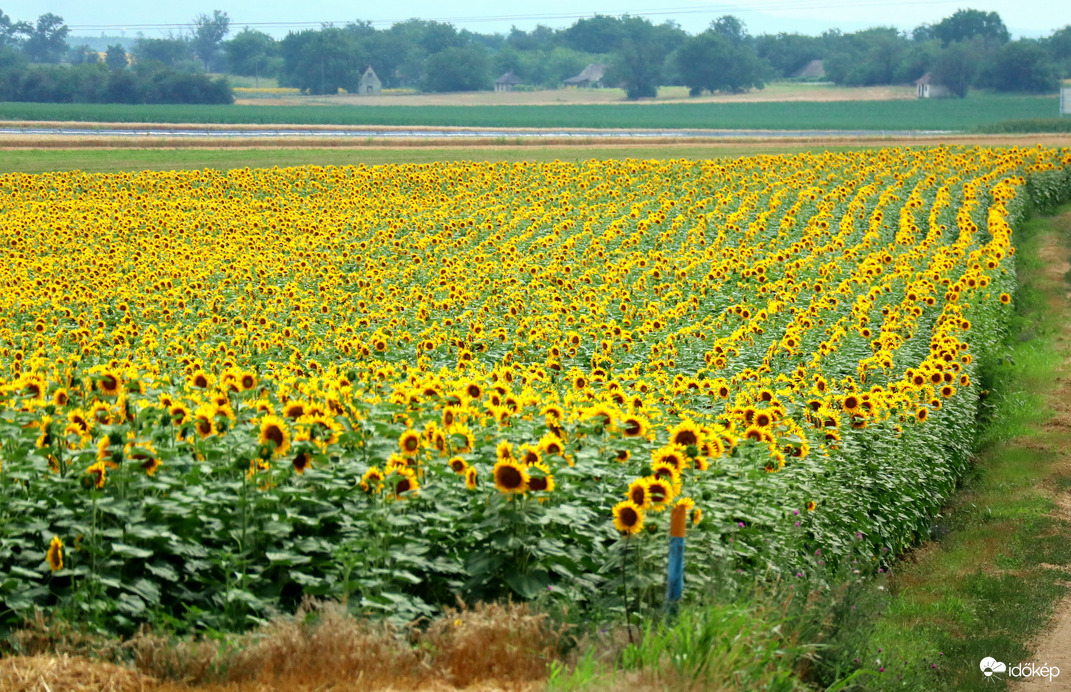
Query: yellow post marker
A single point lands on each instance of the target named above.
(678, 523)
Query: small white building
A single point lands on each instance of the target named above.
(1065, 99)
(927, 89)
(370, 83)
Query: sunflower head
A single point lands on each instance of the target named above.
(510, 476)
(409, 442)
(273, 431)
(628, 518)
(55, 554)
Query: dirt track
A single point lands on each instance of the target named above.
(60, 141)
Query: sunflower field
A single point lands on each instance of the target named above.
(222, 392)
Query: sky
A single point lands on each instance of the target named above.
(1024, 18)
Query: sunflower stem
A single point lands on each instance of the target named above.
(624, 582)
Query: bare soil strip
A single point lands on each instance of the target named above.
(61, 141)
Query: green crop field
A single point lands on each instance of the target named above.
(976, 111)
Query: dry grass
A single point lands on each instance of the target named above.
(491, 646)
(783, 91)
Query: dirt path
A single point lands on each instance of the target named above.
(1053, 647)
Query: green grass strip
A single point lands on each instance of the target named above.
(923, 114)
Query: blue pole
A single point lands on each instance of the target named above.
(675, 574)
(675, 580)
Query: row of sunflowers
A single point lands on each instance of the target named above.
(222, 392)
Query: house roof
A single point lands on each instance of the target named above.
(509, 78)
(592, 73)
(924, 79)
(815, 68)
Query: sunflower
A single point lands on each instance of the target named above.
(947, 391)
(55, 554)
(302, 461)
(109, 383)
(764, 418)
(1005, 298)
(851, 404)
(530, 455)
(671, 454)
(811, 504)
(203, 420)
(667, 472)
(406, 483)
(686, 434)
(179, 413)
(294, 410)
(372, 480)
(97, 473)
(543, 481)
(458, 465)
(471, 478)
(409, 442)
(628, 518)
(634, 426)
(638, 493)
(921, 414)
(504, 451)
(473, 390)
(510, 476)
(661, 492)
(273, 430)
(551, 445)
(200, 379)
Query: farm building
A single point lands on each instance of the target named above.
(507, 81)
(1065, 98)
(589, 78)
(927, 89)
(815, 69)
(370, 83)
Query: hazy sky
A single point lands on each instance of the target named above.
(1032, 18)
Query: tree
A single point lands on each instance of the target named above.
(1022, 65)
(458, 69)
(956, 66)
(166, 51)
(719, 60)
(47, 41)
(252, 53)
(83, 55)
(208, 33)
(12, 34)
(1059, 47)
(599, 34)
(966, 24)
(321, 62)
(116, 58)
(865, 58)
(639, 57)
(788, 53)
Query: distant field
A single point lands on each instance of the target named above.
(976, 111)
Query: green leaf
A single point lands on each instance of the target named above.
(130, 551)
(528, 584)
(287, 558)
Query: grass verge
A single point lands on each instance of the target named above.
(992, 577)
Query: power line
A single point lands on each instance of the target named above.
(659, 12)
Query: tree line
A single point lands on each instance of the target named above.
(37, 64)
(970, 48)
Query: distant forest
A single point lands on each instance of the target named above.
(969, 49)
